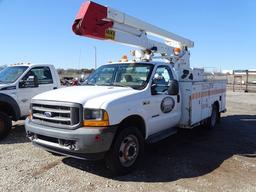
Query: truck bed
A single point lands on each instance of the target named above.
(197, 99)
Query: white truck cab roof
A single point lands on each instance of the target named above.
(29, 64)
(155, 63)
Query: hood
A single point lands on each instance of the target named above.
(4, 87)
(82, 94)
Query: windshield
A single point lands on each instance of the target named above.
(134, 75)
(11, 74)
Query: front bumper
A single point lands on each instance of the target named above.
(83, 143)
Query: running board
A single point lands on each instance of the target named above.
(161, 135)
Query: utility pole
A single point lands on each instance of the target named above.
(79, 58)
(95, 57)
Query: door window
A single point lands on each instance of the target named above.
(42, 74)
(161, 79)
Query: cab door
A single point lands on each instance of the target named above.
(44, 82)
(164, 109)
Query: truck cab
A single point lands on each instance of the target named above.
(18, 84)
(148, 94)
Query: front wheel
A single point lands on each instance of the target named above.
(5, 125)
(126, 151)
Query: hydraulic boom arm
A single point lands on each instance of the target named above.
(104, 23)
(100, 22)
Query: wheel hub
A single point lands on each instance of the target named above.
(131, 151)
(128, 151)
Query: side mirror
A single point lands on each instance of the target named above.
(153, 89)
(30, 82)
(173, 88)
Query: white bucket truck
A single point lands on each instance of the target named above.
(125, 104)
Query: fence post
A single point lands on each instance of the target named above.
(246, 83)
(233, 81)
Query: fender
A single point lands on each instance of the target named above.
(12, 103)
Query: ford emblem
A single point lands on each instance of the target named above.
(48, 114)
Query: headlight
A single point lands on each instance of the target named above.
(95, 118)
(93, 114)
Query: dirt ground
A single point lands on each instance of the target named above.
(222, 159)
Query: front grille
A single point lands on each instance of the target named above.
(63, 115)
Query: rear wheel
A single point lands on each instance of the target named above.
(5, 125)
(126, 151)
(212, 121)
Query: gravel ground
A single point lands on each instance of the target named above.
(223, 159)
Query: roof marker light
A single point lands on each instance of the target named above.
(176, 51)
(124, 58)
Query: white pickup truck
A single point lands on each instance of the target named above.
(18, 84)
(125, 104)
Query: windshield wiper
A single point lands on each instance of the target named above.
(104, 84)
(119, 85)
(89, 84)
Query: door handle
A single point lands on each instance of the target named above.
(146, 102)
(178, 98)
(54, 87)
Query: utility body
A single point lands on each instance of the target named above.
(122, 105)
(18, 84)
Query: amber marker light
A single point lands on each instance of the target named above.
(176, 51)
(124, 58)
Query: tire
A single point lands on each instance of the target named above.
(218, 118)
(126, 151)
(5, 125)
(213, 120)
